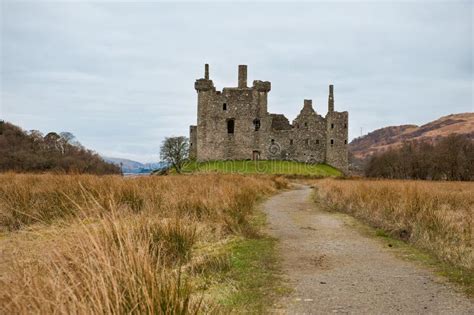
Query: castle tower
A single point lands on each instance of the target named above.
(205, 90)
(336, 135)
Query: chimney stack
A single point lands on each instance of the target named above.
(308, 104)
(242, 76)
(206, 71)
(331, 98)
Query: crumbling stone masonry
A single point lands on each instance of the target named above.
(234, 124)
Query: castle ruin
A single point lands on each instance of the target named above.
(234, 124)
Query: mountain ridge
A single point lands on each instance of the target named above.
(131, 166)
(391, 137)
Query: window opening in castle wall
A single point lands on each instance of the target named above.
(230, 126)
(256, 124)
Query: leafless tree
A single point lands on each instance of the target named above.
(451, 158)
(175, 150)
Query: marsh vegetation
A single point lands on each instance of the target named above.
(90, 244)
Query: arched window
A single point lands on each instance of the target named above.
(224, 106)
(230, 126)
(332, 141)
(332, 126)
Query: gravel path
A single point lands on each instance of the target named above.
(332, 268)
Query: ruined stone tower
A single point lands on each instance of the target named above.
(234, 124)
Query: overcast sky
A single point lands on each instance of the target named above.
(120, 75)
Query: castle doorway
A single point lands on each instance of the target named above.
(256, 155)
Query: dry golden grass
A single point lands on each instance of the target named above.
(436, 216)
(89, 244)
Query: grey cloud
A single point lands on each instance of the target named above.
(119, 75)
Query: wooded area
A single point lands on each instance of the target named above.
(22, 151)
(451, 158)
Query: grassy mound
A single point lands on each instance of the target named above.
(263, 167)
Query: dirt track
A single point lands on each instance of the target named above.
(332, 268)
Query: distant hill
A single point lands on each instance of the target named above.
(392, 137)
(130, 166)
(31, 151)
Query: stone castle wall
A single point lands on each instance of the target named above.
(235, 124)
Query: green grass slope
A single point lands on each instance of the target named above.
(263, 167)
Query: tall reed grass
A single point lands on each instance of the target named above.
(89, 244)
(436, 216)
(44, 199)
